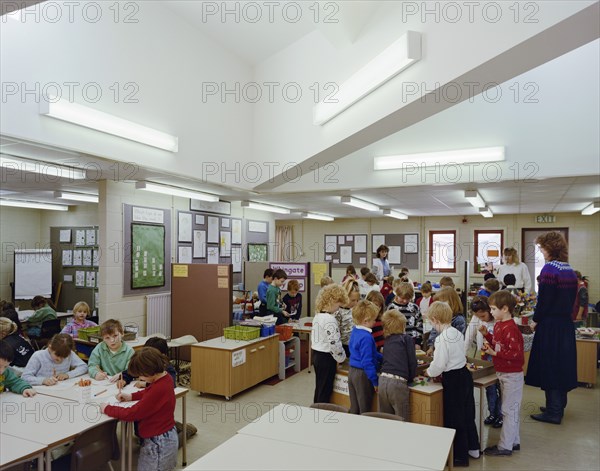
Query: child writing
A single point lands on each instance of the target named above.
(326, 343)
(22, 349)
(44, 311)
(399, 366)
(377, 329)
(110, 358)
(293, 300)
(459, 403)
(364, 358)
(344, 314)
(506, 349)
(56, 363)
(262, 288)
(80, 312)
(482, 316)
(8, 379)
(414, 321)
(274, 295)
(155, 411)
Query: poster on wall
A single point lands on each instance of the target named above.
(147, 256)
(258, 252)
(236, 259)
(236, 231)
(225, 244)
(213, 230)
(212, 254)
(218, 207)
(184, 255)
(184, 233)
(199, 244)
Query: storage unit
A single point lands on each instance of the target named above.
(587, 361)
(226, 367)
(289, 356)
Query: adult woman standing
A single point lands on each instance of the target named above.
(553, 360)
(381, 267)
(514, 267)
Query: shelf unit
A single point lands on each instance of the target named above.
(293, 346)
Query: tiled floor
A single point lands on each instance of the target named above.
(574, 445)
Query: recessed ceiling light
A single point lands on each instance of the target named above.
(265, 207)
(319, 217)
(76, 196)
(33, 205)
(394, 214)
(349, 200)
(173, 191)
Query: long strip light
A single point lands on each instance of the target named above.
(318, 217)
(429, 159)
(591, 209)
(43, 168)
(33, 205)
(173, 191)
(401, 54)
(486, 212)
(64, 195)
(349, 200)
(475, 199)
(107, 123)
(265, 207)
(394, 214)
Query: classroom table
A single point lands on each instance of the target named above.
(409, 444)
(26, 314)
(15, 450)
(242, 452)
(483, 383)
(306, 329)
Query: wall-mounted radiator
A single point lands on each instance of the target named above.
(158, 314)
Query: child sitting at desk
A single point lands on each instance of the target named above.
(110, 358)
(364, 358)
(8, 379)
(79, 321)
(22, 349)
(459, 403)
(44, 311)
(57, 363)
(155, 411)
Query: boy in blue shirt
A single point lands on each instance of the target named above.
(364, 358)
(263, 286)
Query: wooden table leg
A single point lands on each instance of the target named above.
(481, 417)
(123, 444)
(184, 421)
(130, 445)
(451, 457)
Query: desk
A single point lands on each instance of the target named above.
(483, 383)
(308, 331)
(16, 450)
(416, 445)
(24, 315)
(243, 452)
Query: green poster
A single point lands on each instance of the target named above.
(147, 256)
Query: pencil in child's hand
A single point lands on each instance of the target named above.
(101, 392)
(120, 381)
(54, 372)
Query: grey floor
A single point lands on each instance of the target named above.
(574, 445)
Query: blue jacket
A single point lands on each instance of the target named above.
(364, 354)
(263, 286)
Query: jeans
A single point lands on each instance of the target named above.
(494, 400)
(159, 453)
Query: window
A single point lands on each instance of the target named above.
(489, 245)
(442, 250)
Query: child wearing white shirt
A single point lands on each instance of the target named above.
(459, 404)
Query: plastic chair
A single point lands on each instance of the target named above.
(92, 449)
(328, 406)
(48, 330)
(383, 415)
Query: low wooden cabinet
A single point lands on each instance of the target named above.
(226, 367)
(587, 361)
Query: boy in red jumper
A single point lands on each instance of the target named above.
(155, 411)
(506, 348)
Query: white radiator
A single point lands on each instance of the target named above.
(158, 314)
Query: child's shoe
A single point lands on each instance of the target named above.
(490, 419)
(495, 451)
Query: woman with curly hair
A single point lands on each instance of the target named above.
(553, 359)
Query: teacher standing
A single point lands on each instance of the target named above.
(553, 360)
(512, 266)
(381, 267)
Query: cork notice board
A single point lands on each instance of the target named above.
(406, 246)
(342, 249)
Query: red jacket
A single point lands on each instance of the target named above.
(155, 410)
(508, 344)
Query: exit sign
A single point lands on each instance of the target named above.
(545, 218)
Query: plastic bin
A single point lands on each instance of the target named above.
(284, 331)
(84, 333)
(240, 332)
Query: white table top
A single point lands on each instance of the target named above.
(16, 449)
(222, 343)
(243, 452)
(417, 445)
(26, 314)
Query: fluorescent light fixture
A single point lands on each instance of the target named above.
(349, 200)
(107, 123)
(486, 212)
(394, 214)
(33, 205)
(43, 168)
(401, 54)
(265, 207)
(591, 209)
(319, 217)
(475, 198)
(427, 159)
(172, 191)
(64, 195)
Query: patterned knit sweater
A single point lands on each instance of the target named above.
(557, 291)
